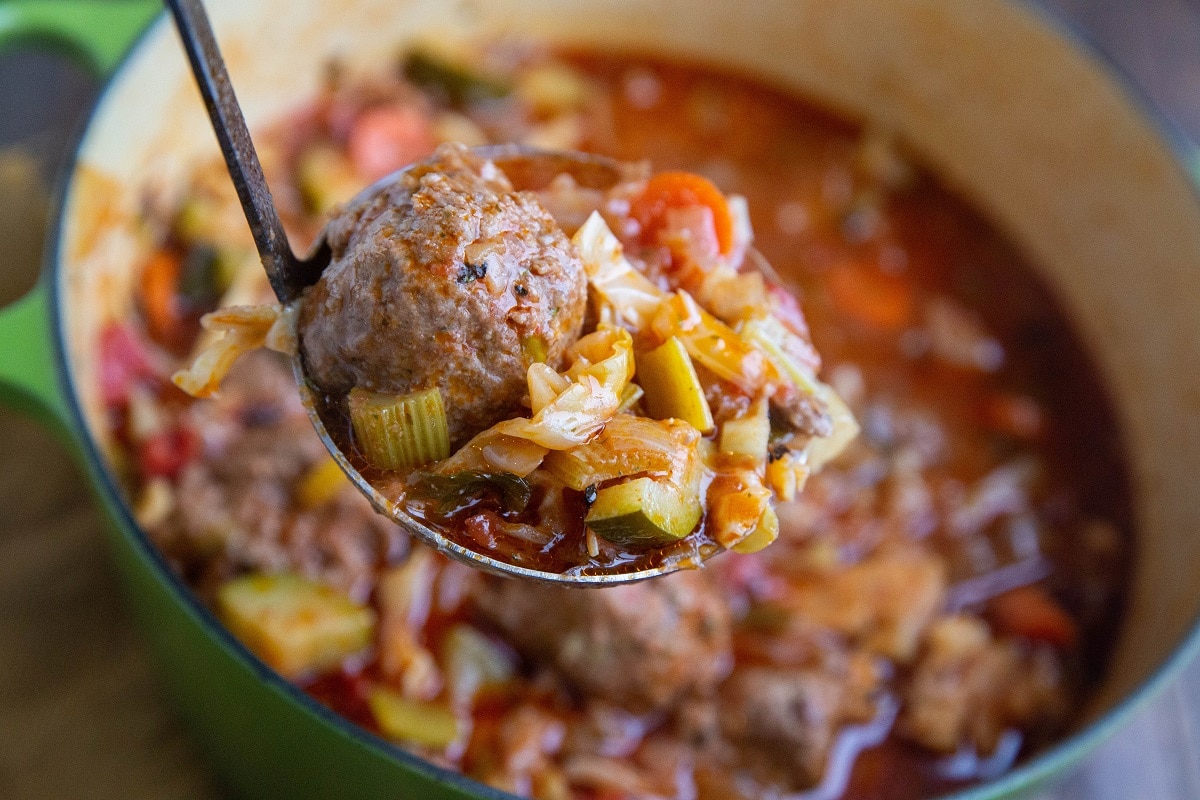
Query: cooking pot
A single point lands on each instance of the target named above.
(1005, 106)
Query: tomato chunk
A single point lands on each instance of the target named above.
(123, 362)
(387, 138)
(1030, 612)
(165, 454)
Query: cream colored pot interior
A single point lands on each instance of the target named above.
(1002, 106)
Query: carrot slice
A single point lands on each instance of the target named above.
(876, 298)
(668, 190)
(1030, 612)
(159, 285)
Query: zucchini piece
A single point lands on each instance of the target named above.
(400, 432)
(672, 388)
(747, 437)
(431, 725)
(645, 512)
(763, 534)
(295, 625)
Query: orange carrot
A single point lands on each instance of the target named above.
(668, 190)
(868, 295)
(159, 286)
(1030, 612)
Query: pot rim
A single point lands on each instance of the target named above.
(1052, 761)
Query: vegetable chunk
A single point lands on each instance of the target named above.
(297, 626)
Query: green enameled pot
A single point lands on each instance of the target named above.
(1015, 114)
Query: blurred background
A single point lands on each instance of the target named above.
(80, 713)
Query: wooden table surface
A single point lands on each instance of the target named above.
(81, 715)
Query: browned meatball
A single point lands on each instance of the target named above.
(642, 646)
(446, 277)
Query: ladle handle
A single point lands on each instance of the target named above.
(234, 137)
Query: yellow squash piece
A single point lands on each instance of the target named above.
(320, 484)
(747, 436)
(431, 725)
(400, 432)
(295, 625)
(672, 388)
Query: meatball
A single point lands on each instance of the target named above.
(444, 277)
(642, 646)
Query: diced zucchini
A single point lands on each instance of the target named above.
(400, 432)
(766, 532)
(320, 484)
(627, 446)
(672, 388)
(747, 436)
(295, 625)
(645, 512)
(431, 725)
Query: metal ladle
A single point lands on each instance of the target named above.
(290, 275)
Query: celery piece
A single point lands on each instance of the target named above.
(671, 386)
(747, 436)
(431, 725)
(400, 432)
(295, 625)
(763, 534)
(645, 512)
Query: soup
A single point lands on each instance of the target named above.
(940, 599)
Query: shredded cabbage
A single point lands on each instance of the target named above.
(632, 296)
(245, 328)
(579, 412)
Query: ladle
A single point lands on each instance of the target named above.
(290, 275)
